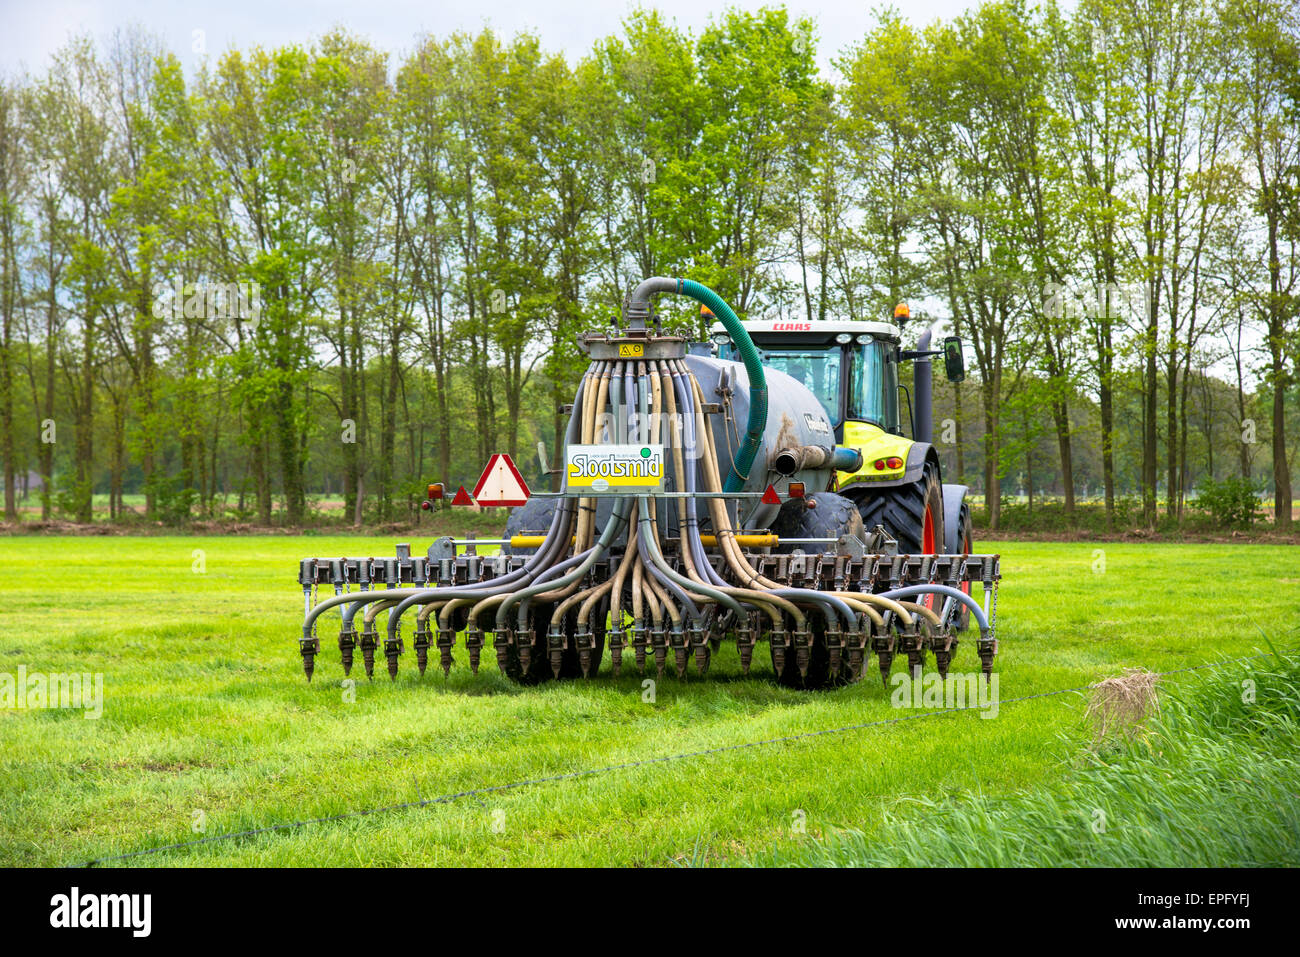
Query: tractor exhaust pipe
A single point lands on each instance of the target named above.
(800, 457)
(923, 390)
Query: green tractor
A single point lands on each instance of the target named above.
(852, 368)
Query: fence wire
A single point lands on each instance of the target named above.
(626, 765)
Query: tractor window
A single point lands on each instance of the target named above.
(818, 369)
(873, 385)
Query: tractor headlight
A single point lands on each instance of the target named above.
(864, 340)
(844, 338)
(721, 338)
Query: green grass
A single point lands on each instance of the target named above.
(206, 710)
(1213, 781)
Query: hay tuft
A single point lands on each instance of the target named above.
(1121, 704)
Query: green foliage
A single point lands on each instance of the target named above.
(174, 498)
(1233, 503)
(1049, 516)
(429, 234)
(70, 495)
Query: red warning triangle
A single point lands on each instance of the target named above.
(501, 483)
(770, 497)
(462, 497)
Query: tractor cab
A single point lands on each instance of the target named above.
(851, 367)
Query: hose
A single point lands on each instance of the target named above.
(638, 312)
(726, 536)
(553, 545)
(949, 592)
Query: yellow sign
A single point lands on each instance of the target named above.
(631, 350)
(615, 469)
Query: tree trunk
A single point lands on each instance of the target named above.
(992, 481)
(7, 386)
(1150, 433)
(1281, 470)
(1061, 415)
(957, 429)
(85, 446)
(47, 448)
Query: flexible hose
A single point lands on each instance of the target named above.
(638, 310)
(555, 543)
(948, 591)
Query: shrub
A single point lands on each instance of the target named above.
(173, 499)
(1232, 503)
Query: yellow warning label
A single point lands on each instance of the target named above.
(631, 350)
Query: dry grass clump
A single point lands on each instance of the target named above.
(1122, 704)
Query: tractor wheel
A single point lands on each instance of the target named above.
(539, 664)
(912, 514)
(820, 515)
(539, 661)
(819, 677)
(571, 663)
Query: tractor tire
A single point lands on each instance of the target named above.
(819, 677)
(820, 515)
(906, 511)
(533, 517)
(571, 663)
(539, 665)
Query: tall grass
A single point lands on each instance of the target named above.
(1214, 782)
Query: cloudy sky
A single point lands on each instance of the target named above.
(32, 29)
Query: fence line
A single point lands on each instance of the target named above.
(592, 772)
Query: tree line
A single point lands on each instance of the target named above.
(324, 270)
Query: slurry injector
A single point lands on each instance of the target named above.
(757, 488)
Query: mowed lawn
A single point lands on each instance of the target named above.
(209, 726)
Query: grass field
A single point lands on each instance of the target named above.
(209, 727)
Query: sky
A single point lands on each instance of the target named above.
(30, 30)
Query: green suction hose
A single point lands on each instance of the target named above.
(639, 310)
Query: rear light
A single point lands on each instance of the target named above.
(426, 506)
(878, 465)
(435, 490)
(894, 462)
(796, 490)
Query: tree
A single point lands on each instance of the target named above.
(1268, 35)
(14, 184)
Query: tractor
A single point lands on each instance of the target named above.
(852, 368)
(756, 488)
